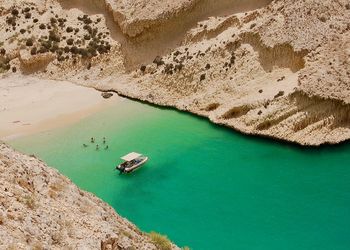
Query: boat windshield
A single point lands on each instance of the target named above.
(132, 162)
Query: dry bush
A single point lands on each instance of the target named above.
(126, 233)
(160, 241)
(29, 200)
(57, 186)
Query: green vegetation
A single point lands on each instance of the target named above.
(161, 241)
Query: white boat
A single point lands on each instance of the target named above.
(132, 162)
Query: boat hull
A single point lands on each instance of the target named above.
(133, 167)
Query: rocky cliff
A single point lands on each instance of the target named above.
(271, 68)
(41, 209)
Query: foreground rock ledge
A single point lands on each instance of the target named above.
(41, 209)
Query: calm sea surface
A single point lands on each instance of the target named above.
(206, 186)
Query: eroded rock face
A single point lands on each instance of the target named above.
(281, 71)
(276, 68)
(32, 63)
(136, 16)
(41, 209)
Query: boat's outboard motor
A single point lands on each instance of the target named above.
(120, 168)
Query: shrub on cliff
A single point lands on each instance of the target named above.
(162, 242)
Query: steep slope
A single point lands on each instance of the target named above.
(271, 68)
(41, 209)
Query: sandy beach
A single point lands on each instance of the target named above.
(29, 104)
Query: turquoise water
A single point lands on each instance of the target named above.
(206, 186)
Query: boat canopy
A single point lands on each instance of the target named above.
(131, 156)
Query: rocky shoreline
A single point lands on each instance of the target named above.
(276, 69)
(41, 209)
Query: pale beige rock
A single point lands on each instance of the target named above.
(41, 209)
(272, 68)
(32, 63)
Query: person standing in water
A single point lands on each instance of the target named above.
(97, 148)
(106, 147)
(92, 140)
(104, 140)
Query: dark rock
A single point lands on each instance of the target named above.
(279, 94)
(202, 77)
(158, 60)
(69, 29)
(14, 69)
(27, 15)
(207, 66)
(143, 68)
(42, 26)
(35, 20)
(106, 95)
(281, 79)
(260, 91)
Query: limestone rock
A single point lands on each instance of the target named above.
(31, 63)
(41, 209)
